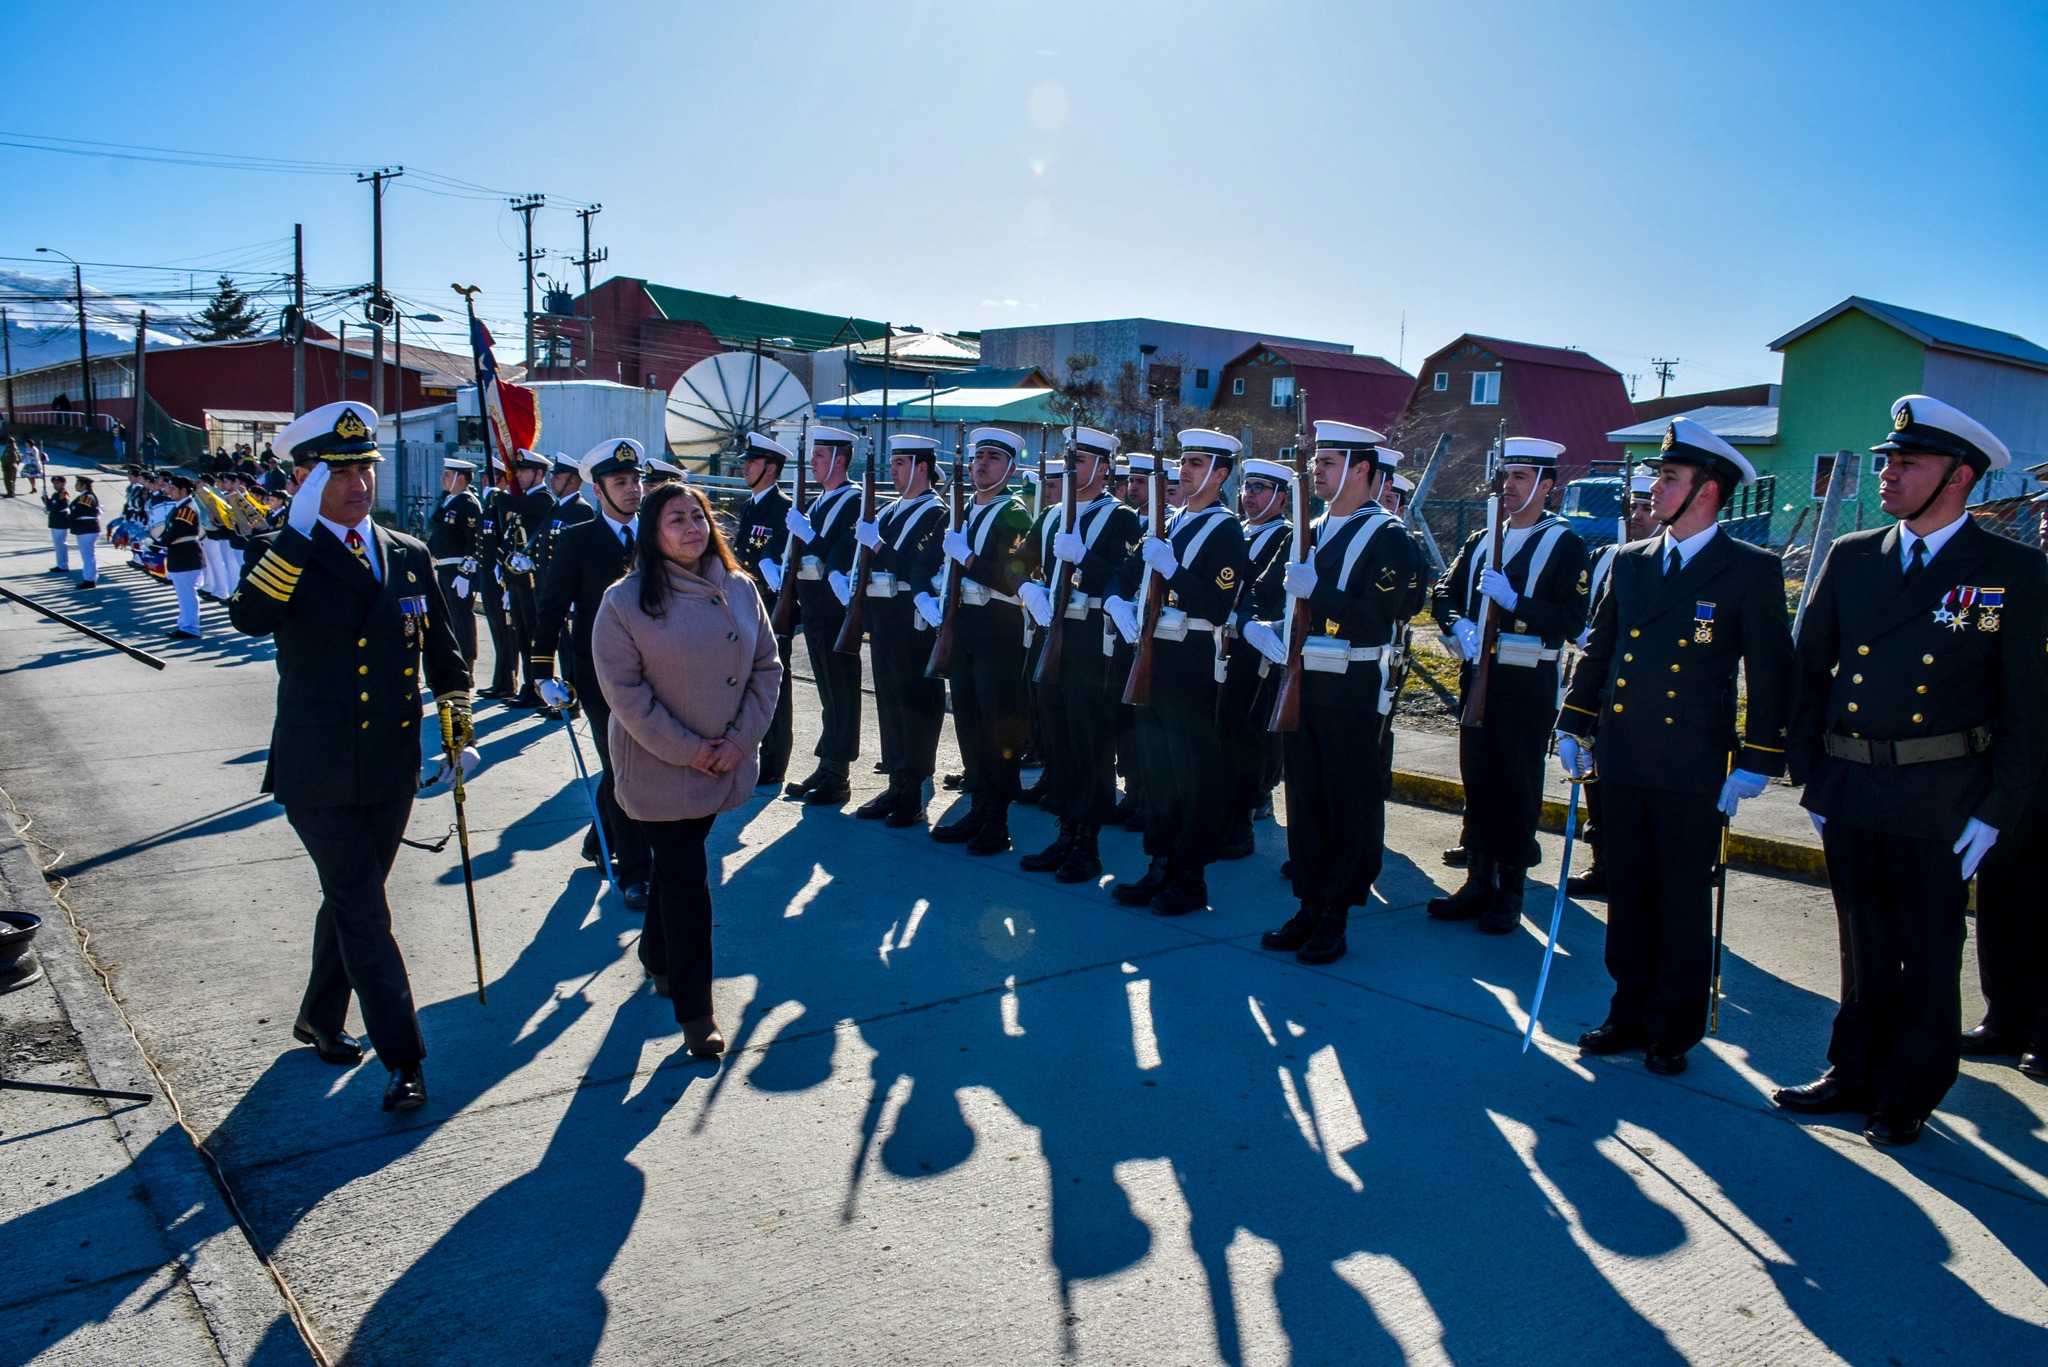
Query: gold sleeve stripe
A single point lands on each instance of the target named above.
(262, 575)
(279, 566)
(1767, 749)
(454, 697)
(1569, 707)
(282, 597)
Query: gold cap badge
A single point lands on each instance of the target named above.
(349, 427)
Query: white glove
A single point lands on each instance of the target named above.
(444, 771)
(1159, 557)
(799, 526)
(1741, 786)
(1300, 578)
(1495, 585)
(929, 608)
(842, 587)
(1036, 601)
(1574, 756)
(1467, 633)
(1125, 616)
(958, 546)
(498, 575)
(1069, 546)
(460, 585)
(1820, 824)
(1977, 839)
(771, 575)
(304, 514)
(553, 692)
(1261, 636)
(868, 534)
(521, 564)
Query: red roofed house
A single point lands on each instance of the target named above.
(1256, 389)
(1469, 387)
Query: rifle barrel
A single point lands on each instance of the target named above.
(82, 629)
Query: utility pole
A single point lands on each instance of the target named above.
(298, 320)
(341, 361)
(7, 359)
(1663, 369)
(379, 308)
(525, 208)
(141, 393)
(586, 261)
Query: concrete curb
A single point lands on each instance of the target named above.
(233, 1288)
(1755, 853)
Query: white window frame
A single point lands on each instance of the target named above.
(1833, 465)
(1443, 381)
(1485, 388)
(1237, 387)
(1283, 391)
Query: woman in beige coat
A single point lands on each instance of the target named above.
(687, 661)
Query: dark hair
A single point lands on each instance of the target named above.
(648, 561)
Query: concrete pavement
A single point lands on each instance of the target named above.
(970, 1116)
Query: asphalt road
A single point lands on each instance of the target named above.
(970, 1116)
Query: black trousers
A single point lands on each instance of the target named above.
(1596, 822)
(1248, 746)
(505, 652)
(909, 708)
(461, 611)
(1336, 805)
(777, 742)
(1665, 849)
(1501, 763)
(525, 621)
(991, 710)
(1899, 906)
(353, 948)
(838, 678)
(677, 940)
(1082, 725)
(1193, 797)
(2012, 930)
(628, 842)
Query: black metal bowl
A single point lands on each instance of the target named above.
(17, 929)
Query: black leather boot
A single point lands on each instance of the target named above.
(994, 835)
(832, 788)
(1295, 933)
(879, 806)
(1470, 900)
(1185, 891)
(1142, 889)
(960, 831)
(909, 808)
(1084, 861)
(1503, 914)
(1053, 855)
(1326, 943)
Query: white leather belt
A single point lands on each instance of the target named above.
(1331, 655)
(883, 585)
(980, 595)
(450, 560)
(810, 567)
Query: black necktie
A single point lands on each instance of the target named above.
(1915, 560)
(1672, 564)
(626, 539)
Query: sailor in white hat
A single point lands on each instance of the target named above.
(1251, 748)
(760, 536)
(991, 707)
(1918, 732)
(1200, 565)
(452, 538)
(359, 622)
(1518, 614)
(824, 534)
(1351, 583)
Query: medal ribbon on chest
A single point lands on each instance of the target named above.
(1703, 623)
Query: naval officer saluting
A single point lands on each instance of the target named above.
(356, 613)
(1917, 730)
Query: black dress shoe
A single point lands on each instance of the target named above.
(1180, 896)
(338, 1047)
(1083, 863)
(993, 837)
(1052, 856)
(1294, 932)
(1470, 900)
(1609, 1038)
(525, 698)
(1987, 1040)
(1591, 883)
(1141, 890)
(494, 691)
(408, 1089)
(1893, 1127)
(805, 784)
(951, 782)
(878, 806)
(828, 792)
(1664, 1065)
(1326, 944)
(961, 830)
(1825, 1095)
(909, 809)
(2034, 1063)
(636, 895)
(1455, 856)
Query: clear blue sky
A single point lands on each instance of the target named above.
(1636, 179)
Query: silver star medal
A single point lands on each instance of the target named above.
(1942, 616)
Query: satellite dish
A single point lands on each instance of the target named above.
(717, 402)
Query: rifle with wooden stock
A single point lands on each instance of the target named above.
(1474, 714)
(1287, 701)
(785, 597)
(1138, 688)
(942, 644)
(851, 629)
(1062, 574)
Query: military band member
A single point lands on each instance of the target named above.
(1916, 728)
(1652, 709)
(1085, 693)
(453, 542)
(1202, 562)
(991, 709)
(1362, 583)
(527, 512)
(1251, 749)
(1539, 596)
(759, 536)
(586, 557)
(184, 563)
(825, 533)
(484, 570)
(905, 552)
(356, 614)
(1642, 522)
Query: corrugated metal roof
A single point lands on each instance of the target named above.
(1931, 329)
(1313, 358)
(738, 321)
(948, 405)
(1757, 426)
(1529, 353)
(938, 347)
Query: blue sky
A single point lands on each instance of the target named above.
(1639, 180)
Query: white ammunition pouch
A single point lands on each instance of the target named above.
(810, 567)
(1523, 652)
(1175, 625)
(1329, 655)
(976, 595)
(884, 585)
(1079, 607)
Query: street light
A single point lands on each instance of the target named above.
(84, 363)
